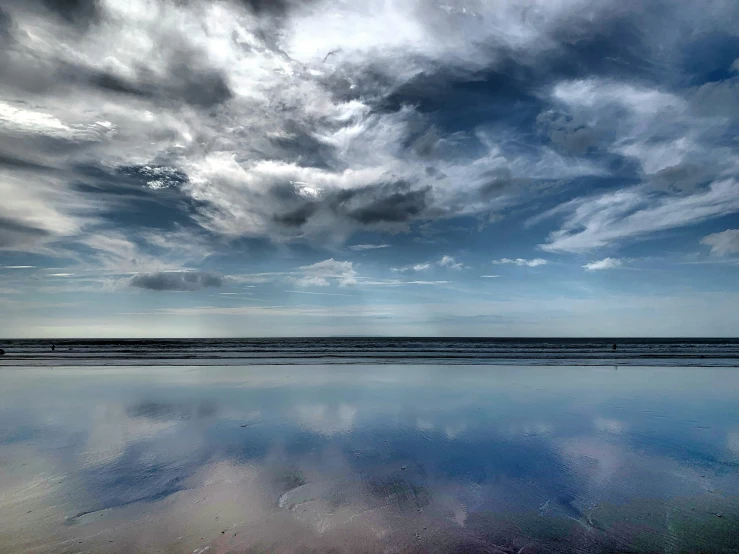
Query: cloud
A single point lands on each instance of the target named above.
(21, 122)
(613, 217)
(522, 262)
(384, 203)
(155, 177)
(325, 273)
(717, 98)
(32, 216)
(284, 200)
(414, 267)
(489, 276)
(567, 133)
(176, 281)
(674, 139)
(449, 263)
(78, 12)
(6, 24)
(723, 243)
(270, 119)
(445, 261)
(362, 247)
(605, 263)
(683, 177)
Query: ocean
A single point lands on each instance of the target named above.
(375, 350)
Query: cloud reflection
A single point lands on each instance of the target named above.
(364, 459)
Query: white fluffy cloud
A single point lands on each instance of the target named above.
(322, 274)
(723, 243)
(605, 263)
(450, 263)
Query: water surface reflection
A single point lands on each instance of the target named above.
(369, 459)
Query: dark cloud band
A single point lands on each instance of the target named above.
(176, 281)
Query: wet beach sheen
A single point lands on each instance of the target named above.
(369, 458)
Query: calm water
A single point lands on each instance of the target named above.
(552, 351)
(369, 458)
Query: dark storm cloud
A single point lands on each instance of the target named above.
(297, 217)
(6, 26)
(79, 12)
(176, 281)
(683, 177)
(187, 79)
(272, 7)
(719, 99)
(112, 83)
(203, 87)
(385, 203)
(499, 181)
(16, 235)
(298, 143)
(13, 162)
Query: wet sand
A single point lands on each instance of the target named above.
(369, 459)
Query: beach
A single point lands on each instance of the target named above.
(362, 457)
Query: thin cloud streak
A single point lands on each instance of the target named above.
(613, 218)
(362, 247)
(536, 262)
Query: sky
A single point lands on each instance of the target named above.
(195, 168)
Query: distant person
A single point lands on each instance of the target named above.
(53, 347)
(614, 346)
